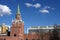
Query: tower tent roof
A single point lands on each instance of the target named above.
(18, 10)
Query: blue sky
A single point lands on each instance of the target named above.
(33, 12)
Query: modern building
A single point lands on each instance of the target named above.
(40, 29)
(17, 31)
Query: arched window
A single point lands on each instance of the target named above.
(37, 39)
(26, 39)
(33, 39)
(15, 35)
(21, 39)
(4, 39)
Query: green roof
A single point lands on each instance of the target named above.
(18, 10)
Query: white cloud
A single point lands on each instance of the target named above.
(4, 9)
(48, 7)
(37, 5)
(44, 11)
(28, 4)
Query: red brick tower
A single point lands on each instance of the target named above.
(17, 29)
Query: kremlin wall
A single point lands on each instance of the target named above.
(34, 32)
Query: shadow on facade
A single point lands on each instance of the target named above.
(55, 33)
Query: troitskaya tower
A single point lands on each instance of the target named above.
(17, 29)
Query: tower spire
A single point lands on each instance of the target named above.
(18, 15)
(18, 10)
